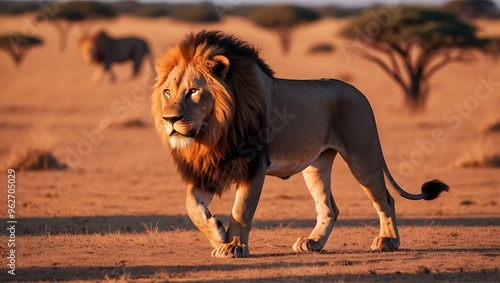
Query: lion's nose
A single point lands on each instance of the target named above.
(173, 119)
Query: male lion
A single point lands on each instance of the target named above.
(226, 119)
(101, 49)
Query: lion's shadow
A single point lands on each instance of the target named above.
(135, 223)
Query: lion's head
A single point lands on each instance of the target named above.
(91, 47)
(188, 97)
(207, 102)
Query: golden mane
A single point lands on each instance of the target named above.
(217, 158)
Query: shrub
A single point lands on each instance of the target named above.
(321, 48)
(34, 154)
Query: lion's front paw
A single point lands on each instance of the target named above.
(234, 249)
(384, 244)
(306, 245)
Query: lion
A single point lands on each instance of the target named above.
(102, 49)
(226, 119)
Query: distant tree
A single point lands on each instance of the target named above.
(126, 6)
(18, 7)
(284, 20)
(72, 12)
(151, 11)
(339, 12)
(18, 45)
(412, 45)
(196, 14)
(63, 21)
(473, 9)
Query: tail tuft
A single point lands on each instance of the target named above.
(432, 189)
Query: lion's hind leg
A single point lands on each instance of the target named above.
(318, 178)
(370, 176)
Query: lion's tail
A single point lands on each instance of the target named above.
(430, 190)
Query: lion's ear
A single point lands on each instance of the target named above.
(219, 65)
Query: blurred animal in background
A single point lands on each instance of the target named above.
(102, 49)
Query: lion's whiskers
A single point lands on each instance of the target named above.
(205, 127)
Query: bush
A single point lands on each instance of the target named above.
(29, 159)
(321, 48)
(492, 128)
(134, 123)
(34, 154)
(479, 154)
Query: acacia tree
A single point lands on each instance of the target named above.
(203, 13)
(283, 20)
(18, 45)
(73, 12)
(63, 21)
(473, 9)
(154, 10)
(412, 44)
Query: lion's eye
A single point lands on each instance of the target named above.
(166, 92)
(193, 94)
(192, 91)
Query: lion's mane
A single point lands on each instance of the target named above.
(218, 156)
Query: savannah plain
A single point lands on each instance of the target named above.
(117, 213)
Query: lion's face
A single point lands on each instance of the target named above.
(207, 102)
(187, 103)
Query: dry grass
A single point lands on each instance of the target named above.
(492, 128)
(134, 123)
(153, 236)
(184, 258)
(118, 274)
(35, 153)
(151, 230)
(479, 154)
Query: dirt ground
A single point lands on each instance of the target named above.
(117, 214)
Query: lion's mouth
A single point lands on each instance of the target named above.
(179, 140)
(180, 129)
(182, 135)
(189, 134)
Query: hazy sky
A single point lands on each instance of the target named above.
(347, 3)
